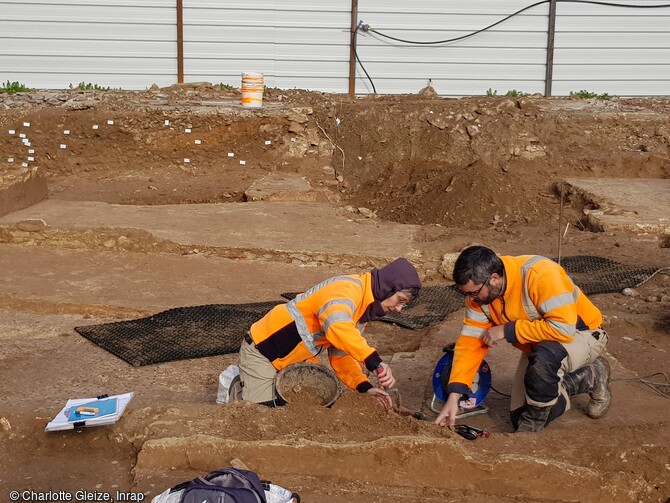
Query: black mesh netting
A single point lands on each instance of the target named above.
(215, 329)
(179, 333)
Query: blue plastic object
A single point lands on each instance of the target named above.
(479, 389)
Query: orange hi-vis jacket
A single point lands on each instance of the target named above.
(540, 303)
(325, 316)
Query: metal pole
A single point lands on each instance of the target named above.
(352, 48)
(551, 31)
(560, 230)
(180, 42)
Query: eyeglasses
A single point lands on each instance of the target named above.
(402, 303)
(474, 295)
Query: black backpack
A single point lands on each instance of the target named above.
(225, 485)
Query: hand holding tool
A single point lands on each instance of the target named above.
(395, 395)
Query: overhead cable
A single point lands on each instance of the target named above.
(366, 27)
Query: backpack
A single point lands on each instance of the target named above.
(225, 485)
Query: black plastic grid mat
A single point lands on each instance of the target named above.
(215, 329)
(177, 334)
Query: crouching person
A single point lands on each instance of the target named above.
(530, 302)
(330, 316)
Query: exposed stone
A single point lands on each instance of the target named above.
(298, 148)
(533, 152)
(278, 186)
(296, 128)
(31, 225)
(313, 137)
(325, 148)
(472, 130)
(366, 212)
(21, 189)
(447, 265)
(428, 92)
(437, 120)
(298, 117)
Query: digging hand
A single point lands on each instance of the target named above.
(382, 397)
(385, 376)
(447, 416)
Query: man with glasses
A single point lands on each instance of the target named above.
(530, 302)
(332, 316)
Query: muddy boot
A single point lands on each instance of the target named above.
(594, 380)
(600, 391)
(533, 419)
(580, 381)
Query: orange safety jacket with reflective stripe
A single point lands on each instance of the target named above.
(325, 316)
(540, 303)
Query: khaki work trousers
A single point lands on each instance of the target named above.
(583, 349)
(257, 375)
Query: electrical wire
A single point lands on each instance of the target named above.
(654, 385)
(646, 380)
(374, 89)
(500, 392)
(367, 28)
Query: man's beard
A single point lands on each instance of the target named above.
(494, 293)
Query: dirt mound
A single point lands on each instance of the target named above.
(411, 159)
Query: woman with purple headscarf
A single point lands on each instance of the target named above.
(331, 316)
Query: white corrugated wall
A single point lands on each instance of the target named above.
(599, 48)
(113, 43)
(509, 56)
(297, 44)
(614, 50)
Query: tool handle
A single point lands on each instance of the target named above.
(379, 370)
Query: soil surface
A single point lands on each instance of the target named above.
(475, 170)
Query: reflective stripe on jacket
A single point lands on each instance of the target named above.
(322, 317)
(540, 303)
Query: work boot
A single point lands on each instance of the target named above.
(580, 381)
(600, 391)
(594, 380)
(235, 389)
(533, 419)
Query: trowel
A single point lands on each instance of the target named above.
(397, 405)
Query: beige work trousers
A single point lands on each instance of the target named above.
(257, 375)
(582, 350)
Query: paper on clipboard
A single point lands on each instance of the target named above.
(95, 409)
(62, 420)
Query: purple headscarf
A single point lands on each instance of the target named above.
(396, 276)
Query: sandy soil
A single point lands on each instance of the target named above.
(486, 170)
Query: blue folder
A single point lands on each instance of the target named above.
(105, 408)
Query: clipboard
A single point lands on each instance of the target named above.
(109, 410)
